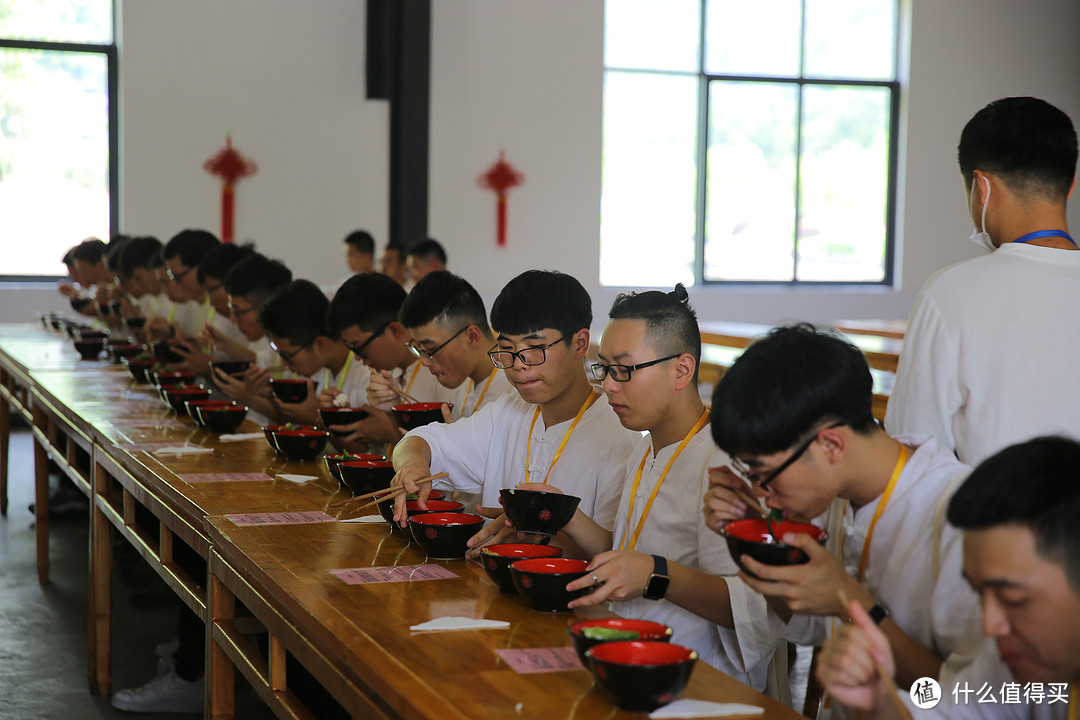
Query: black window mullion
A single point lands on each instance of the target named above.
(701, 186)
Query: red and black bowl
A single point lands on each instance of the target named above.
(139, 369)
(364, 476)
(164, 378)
(588, 633)
(82, 332)
(641, 676)
(192, 407)
(543, 581)
(301, 445)
(230, 367)
(289, 390)
(444, 535)
(120, 351)
(341, 416)
(413, 415)
(497, 559)
(538, 512)
(332, 461)
(90, 349)
(221, 418)
(134, 323)
(751, 536)
(269, 430)
(175, 397)
(435, 503)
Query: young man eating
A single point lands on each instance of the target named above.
(794, 413)
(555, 429)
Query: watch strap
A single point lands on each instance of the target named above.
(878, 613)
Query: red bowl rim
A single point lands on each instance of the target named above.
(550, 566)
(446, 519)
(139, 361)
(209, 403)
(175, 373)
(445, 504)
(421, 406)
(185, 390)
(366, 464)
(232, 407)
(648, 629)
(341, 409)
(641, 653)
(288, 381)
(302, 433)
(783, 527)
(521, 550)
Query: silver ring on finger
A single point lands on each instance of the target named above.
(596, 580)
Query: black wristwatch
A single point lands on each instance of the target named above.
(878, 613)
(657, 584)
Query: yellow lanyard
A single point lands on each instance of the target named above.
(415, 370)
(172, 312)
(342, 376)
(483, 392)
(656, 490)
(897, 469)
(207, 312)
(577, 418)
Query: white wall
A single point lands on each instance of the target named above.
(287, 79)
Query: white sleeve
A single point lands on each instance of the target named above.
(461, 449)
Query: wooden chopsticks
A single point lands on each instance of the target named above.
(752, 503)
(400, 393)
(386, 493)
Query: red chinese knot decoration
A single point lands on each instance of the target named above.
(500, 177)
(229, 165)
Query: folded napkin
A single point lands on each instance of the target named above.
(235, 437)
(296, 478)
(460, 623)
(365, 519)
(703, 708)
(182, 450)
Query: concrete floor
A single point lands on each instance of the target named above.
(43, 629)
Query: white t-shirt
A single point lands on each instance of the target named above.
(990, 353)
(675, 529)
(352, 380)
(155, 305)
(471, 397)
(190, 316)
(930, 601)
(486, 452)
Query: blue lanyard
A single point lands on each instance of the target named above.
(1044, 233)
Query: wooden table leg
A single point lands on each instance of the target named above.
(41, 497)
(221, 682)
(100, 595)
(5, 435)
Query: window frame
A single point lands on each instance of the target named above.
(113, 83)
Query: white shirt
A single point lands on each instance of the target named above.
(934, 606)
(675, 529)
(471, 397)
(990, 353)
(486, 452)
(352, 380)
(190, 316)
(155, 305)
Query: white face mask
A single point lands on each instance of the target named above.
(981, 237)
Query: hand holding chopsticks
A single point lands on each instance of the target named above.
(386, 493)
(886, 678)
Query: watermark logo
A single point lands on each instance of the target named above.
(925, 693)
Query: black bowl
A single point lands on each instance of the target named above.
(341, 416)
(443, 534)
(120, 351)
(436, 502)
(90, 349)
(414, 415)
(165, 378)
(497, 559)
(751, 537)
(164, 353)
(641, 676)
(139, 369)
(83, 332)
(364, 476)
(269, 431)
(617, 629)
(176, 397)
(221, 418)
(230, 367)
(300, 445)
(192, 407)
(538, 512)
(543, 581)
(289, 390)
(332, 461)
(134, 323)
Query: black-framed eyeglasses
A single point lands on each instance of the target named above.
(288, 357)
(358, 350)
(622, 373)
(211, 289)
(240, 313)
(762, 483)
(177, 277)
(532, 355)
(422, 353)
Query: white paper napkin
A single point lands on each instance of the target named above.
(460, 623)
(296, 478)
(182, 450)
(702, 708)
(235, 437)
(365, 519)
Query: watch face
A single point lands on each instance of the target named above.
(657, 588)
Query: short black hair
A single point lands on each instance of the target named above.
(670, 323)
(140, 252)
(257, 278)
(428, 249)
(787, 383)
(90, 251)
(362, 241)
(191, 246)
(443, 297)
(539, 299)
(69, 258)
(219, 260)
(366, 300)
(1035, 485)
(1028, 142)
(115, 251)
(297, 313)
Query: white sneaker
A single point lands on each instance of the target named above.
(165, 665)
(168, 693)
(166, 649)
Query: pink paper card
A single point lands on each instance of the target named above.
(280, 518)
(392, 573)
(224, 477)
(540, 660)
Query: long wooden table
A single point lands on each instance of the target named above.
(353, 639)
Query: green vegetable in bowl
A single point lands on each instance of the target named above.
(603, 633)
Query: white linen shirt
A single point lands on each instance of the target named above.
(352, 381)
(469, 399)
(486, 452)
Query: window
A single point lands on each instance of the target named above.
(749, 141)
(57, 131)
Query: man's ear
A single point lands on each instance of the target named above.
(580, 343)
(684, 367)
